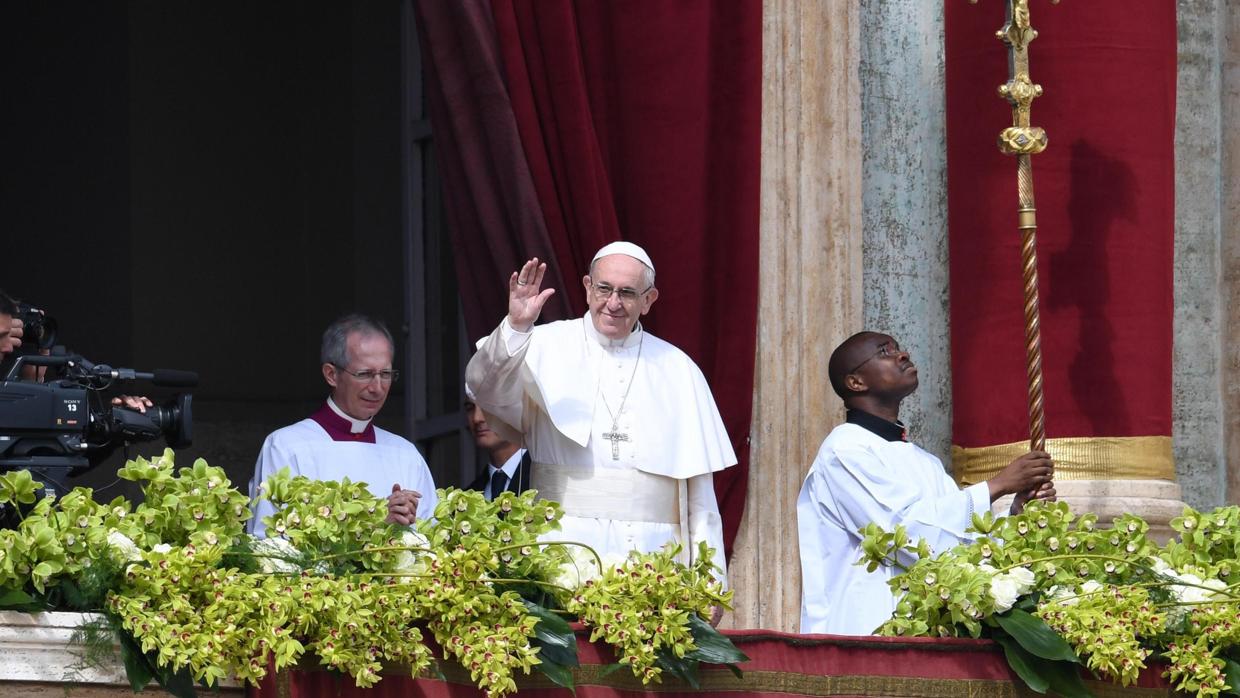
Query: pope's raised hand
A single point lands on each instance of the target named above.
(526, 296)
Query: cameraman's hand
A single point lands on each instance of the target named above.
(16, 332)
(134, 402)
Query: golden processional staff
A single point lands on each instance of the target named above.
(1024, 141)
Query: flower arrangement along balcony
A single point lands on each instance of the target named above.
(194, 599)
(1059, 592)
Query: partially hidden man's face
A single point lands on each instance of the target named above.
(356, 397)
(884, 367)
(617, 295)
(486, 439)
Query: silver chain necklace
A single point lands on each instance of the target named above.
(615, 436)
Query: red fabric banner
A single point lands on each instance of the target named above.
(1105, 204)
(642, 122)
(780, 665)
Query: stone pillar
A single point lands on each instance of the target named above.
(904, 178)
(810, 283)
(1197, 394)
(1230, 374)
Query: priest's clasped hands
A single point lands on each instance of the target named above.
(403, 506)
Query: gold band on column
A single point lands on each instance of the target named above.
(1077, 458)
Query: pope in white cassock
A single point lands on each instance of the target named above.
(340, 440)
(621, 426)
(867, 471)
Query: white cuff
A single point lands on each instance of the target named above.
(513, 339)
(979, 501)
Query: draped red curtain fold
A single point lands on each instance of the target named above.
(489, 198)
(638, 121)
(1105, 210)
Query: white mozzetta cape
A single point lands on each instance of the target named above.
(554, 388)
(857, 478)
(552, 378)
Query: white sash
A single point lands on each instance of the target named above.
(618, 494)
(623, 494)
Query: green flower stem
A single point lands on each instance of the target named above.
(516, 546)
(894, 559)
(1210, 602)
(488, 580)
(1168, 583)
(377, 549)
(1086, 556)
(598, 560)
(1074, 556)
(266, 556)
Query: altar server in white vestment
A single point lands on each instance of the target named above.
(339, 440)
(867, 471)
(621, 426)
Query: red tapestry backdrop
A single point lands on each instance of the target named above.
(1105, 205)
(641, 122)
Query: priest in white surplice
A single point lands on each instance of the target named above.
(340, 440)
(867, 471)
(621, 426)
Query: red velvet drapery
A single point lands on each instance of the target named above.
(1105, 206)
(639, 121)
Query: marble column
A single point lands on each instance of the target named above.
(810, 283)
(1196, 384)
(1230, 374)
(904, 177)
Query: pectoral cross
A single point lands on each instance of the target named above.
(615, 436)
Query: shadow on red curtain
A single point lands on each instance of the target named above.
(641, 122)
(1106, 216)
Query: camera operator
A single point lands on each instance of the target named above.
(54, 419)
(12, 330)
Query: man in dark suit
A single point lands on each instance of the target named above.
(508, 467)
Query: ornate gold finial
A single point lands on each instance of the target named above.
(1024, 141)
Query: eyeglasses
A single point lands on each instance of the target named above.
(628, 296)
(888, 348)
(385, 376)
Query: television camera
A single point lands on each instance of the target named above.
(62, 426)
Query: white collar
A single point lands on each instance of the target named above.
(628, 342)
(356, 426)
(510, 465)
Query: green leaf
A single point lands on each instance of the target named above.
(137, 670)
(684, 669)
(552, 630)
(18, 600)
(609, 669)
(1023, 664)
(713, 647)
(559, 674)
(1231, 671)
(179, 683)
(1062, 678)
(564, 656)
(1035, 636)
(1065, 679)
(437, 671)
